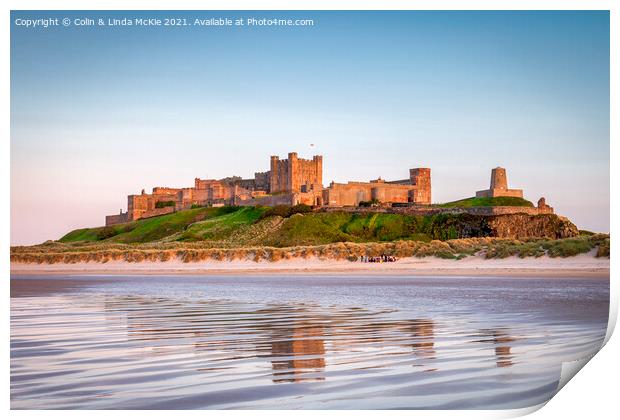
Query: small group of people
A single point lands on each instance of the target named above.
(380, 258)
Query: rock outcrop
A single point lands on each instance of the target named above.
(517, 226)
(521, 226)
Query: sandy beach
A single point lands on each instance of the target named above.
(582, 265)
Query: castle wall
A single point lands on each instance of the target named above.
(144, 205)
(349, 194)
(218, 191)
(392, 193)
(480, 211)
(400, 181)
(352, 193)
(200, 197)
(499, 193)
(261, 181)
(115, 219)
(267, 200)
(313, 197)
(248, 184)
(428, 211)
(164, 196)
(203, 184)
(240, 193)
(158, 212)
(165, 191)
(185, 198)
(138, 204)
(416, 189)
(211, 191)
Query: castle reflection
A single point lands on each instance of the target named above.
(299, 342)
(503, 354)
(300, 356)
(500, 338)
(423, 333)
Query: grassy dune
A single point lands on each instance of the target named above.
(57, 252)
(222, 226)
(262, 233)
(234, 226)
(244, 226)
(229, 227)
(147, 230)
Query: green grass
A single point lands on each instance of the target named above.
(312, 229)
(236, 225)
(325, 228)
(221, 227)
(233, 227)
(568, 247)
(489, 202)
(554, 248)
(382, 227)
(146, 230)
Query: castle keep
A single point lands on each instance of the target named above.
(295, 175)
(289, 182)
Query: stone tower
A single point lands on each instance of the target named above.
(295, 175)
(421, 177)
(499, 186)
(498, 179)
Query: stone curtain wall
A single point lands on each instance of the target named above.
(157, 212)
(417, 190)
(261, 181)
(427, 211)
(267, 200)
(116, 219)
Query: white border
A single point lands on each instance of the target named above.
(592, 394)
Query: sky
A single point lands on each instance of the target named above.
(100, 112)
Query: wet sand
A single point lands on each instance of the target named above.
(298, 341)
(585, 265)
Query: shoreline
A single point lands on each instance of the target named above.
(584, 265)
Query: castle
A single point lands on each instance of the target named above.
(288, 181)
(293, 181)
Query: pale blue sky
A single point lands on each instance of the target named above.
(99, 113)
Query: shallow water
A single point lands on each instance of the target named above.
(186, 342)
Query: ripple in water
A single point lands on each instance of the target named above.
(104, 348)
